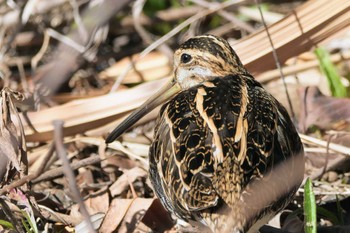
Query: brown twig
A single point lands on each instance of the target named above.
(295, 68)
(78, 20)
(145, 35)
(277, 61)
(253, 14)
(330, 164)
(68, 171)
(11, 18)
(37, 57)
(230, 17)
(221, 30)
(167, 15)
(51, 174)
(332, 146)
(65, 60)
(327, 155)
(58, 217)
(17, 183)
(22, 75)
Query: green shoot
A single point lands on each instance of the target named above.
(329, 70)
(309, 208)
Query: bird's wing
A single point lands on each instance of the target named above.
(262, 137)
(195, 141)
(180, 157)
(211, 141)
(272, 137)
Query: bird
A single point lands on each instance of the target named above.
(225, 156)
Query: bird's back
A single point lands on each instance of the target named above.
(213, 142)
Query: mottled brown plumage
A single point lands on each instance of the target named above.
(218, 137)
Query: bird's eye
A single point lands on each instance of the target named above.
(185, 58)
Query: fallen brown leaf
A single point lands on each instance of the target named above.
(98, 203)
(124, 181)
(125, 214)
(327, 113)
(11, 149)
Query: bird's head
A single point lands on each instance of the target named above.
(199, 59)
(203, 58)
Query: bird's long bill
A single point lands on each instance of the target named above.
(163, 95)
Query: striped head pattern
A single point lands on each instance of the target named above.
(203, 58)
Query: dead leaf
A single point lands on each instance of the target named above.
(11, 148)
(126, 179)
(134, 214)
(96, 220)
(115, 214)
(316, 164)
(327, 113)
(124, 215)
(8, 156)
(98, 203)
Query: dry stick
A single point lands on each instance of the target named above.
(327, 154)
(234, 20)
(274, 53)
(332, 146)
(221, 30)
(78, 20)
(332, 164)
(51, 174)
(329, 164)
(35, 178)
(11, 18)
(68, 171)
(116, 145)
(51, 215)
(12, 61)
(2, 38)
(146, 37)
(16, 183)
(67, 40)
(134, 194)
(55, 72)
(253, 14)
(5, 73)
(167, 15)
(46, 158)
(170, 34)
(22, 75)
(37, 57)
(293, 69)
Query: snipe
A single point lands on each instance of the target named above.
(225, 153)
